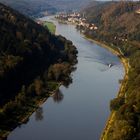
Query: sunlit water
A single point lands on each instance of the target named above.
(83, 112)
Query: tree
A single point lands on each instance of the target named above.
(38, 84)
(116, 103)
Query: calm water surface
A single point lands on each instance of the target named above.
(82, 112)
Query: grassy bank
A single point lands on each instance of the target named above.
(50, 26)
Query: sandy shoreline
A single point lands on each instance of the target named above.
(125, 63)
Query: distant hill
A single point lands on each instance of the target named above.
(35, 7)
(30, 8)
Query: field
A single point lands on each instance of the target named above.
(50, 26)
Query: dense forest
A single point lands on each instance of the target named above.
(119, 27)
(33, 63)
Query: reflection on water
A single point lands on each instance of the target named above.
(39, 114)
(67, 82)
(58, 96)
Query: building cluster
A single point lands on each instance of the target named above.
(39, 22)
(123, 39)
(138, 11)
(77, 19)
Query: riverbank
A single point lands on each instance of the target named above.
(126, 65)
(22, 107)
(120, 94)
(32, 107)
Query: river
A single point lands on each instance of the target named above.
(82, 112)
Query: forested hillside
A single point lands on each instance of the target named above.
(32, 63)
(115, 19)
(24, 45)
(119, 27)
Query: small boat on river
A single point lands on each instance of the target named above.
(110, 65)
